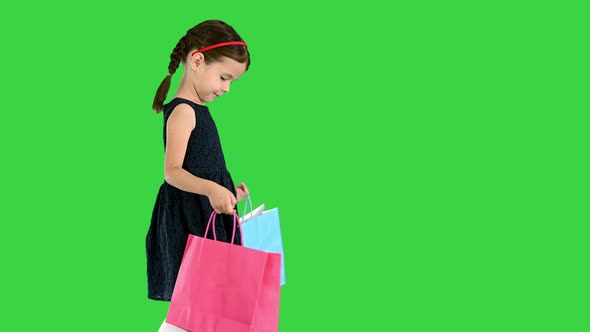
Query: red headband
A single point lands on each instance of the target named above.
(219, 45)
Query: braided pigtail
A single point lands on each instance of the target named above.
(175, 59)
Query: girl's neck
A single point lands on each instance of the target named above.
(186, 91)
(187, 97)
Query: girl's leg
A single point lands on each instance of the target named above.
(170, 328)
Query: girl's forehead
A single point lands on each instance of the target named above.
(230, 65)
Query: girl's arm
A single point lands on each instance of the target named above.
(180, 124)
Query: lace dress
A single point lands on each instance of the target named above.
(177, 213)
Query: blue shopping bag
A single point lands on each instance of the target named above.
(262, 231)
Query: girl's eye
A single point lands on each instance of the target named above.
(223, 78)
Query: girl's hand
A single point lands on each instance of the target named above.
(222, 200)
(242, 191)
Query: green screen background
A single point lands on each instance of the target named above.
(429, 160)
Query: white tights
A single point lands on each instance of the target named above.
(170, 328)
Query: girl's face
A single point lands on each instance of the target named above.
(213, 79)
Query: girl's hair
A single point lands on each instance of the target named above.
(202, 35)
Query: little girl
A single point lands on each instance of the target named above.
(197, 181)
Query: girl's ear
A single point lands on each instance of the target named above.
(196, 60)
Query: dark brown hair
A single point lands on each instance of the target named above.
(202, 35)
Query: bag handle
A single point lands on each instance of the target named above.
(246, 206)
(213, 218)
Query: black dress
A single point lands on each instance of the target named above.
(177, 213)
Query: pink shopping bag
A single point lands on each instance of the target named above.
(225, 287)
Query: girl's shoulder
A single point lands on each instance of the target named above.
(188, 107)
